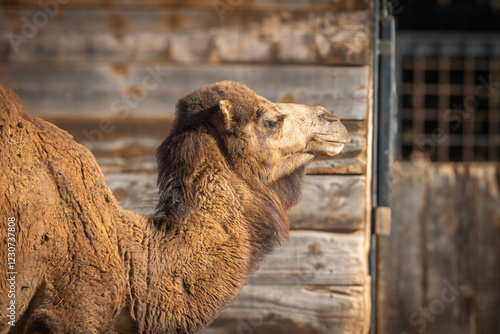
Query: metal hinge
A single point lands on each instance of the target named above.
(382, 216)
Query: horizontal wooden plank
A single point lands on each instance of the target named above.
(329, 203)
(200, 4)
(228, 5)
(134, 191)
(270, 309)
(154, 90)
(176, 36)
(125, 145)
(129, 145)
(312, 257)
(111, 128)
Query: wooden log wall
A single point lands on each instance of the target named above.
(439, 270)
(110, 72)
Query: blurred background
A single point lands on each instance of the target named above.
(448, 68)
(440, 268)
(110, 72)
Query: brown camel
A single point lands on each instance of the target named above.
(76, 262)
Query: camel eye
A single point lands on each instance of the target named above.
(272, 124)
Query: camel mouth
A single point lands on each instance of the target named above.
(330, 139)
(330, 149)
(325, 145)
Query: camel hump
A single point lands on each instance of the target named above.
(9, 101)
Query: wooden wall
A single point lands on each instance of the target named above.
(110, 73)
(439, 270)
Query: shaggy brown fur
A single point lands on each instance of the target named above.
(229, 171)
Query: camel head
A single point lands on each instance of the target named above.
(286, 129)
(260, 138)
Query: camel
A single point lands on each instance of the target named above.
(230, 169)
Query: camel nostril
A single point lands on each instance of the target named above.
(328, 116)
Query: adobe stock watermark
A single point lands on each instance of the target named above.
(123, 106)
(435, 307)
(31, 26)
(11, 269)
(221, 7)
(250, 325)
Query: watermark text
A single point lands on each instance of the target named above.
(11, 272)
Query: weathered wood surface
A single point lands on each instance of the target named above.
(329, 203)
(450, 244)
(297, 309)
(129, 144)
(185, 37)
(486, 186)
(440, 268)
(230, 5)
(313, 257)
(144, 90)
(180, 36)
(400, 275)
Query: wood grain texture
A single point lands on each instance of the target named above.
(486, 186)
(400, 266)
(154, 90)
(439, 270)
(230, 5)
(125, 145)
(329, 203)
(296, 309)
(313, 257)
(450, 244)
(180, 36)
(134, 191)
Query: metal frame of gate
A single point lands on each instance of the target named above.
(384, 134)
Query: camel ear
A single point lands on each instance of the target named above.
(225, 108)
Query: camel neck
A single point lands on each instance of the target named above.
(182, 276)
(210, 231)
